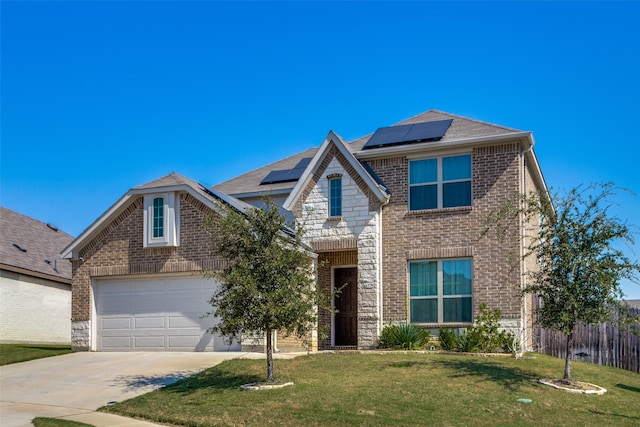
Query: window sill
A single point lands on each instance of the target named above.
(335, 218)
(444, 325)
(441, 210)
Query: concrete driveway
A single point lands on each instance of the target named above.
(73, 386)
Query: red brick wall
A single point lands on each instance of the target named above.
(118, 250)
(453, 232)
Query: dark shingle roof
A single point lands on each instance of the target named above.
(170, 182)
(250, 181)
(41, 241)
(461, 128)
(175, 179)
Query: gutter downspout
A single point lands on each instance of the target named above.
(525, 307)
(380, 269)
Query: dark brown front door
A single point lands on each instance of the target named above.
(346, 304)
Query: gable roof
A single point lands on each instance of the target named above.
(31, 247)
(333, 139)
(168, 183)
(461, 129)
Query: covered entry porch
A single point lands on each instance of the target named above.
(355, 323)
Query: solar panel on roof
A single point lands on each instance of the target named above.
(428, 131)
(303, 163)
(387, 136)
(287, 175)
(275, 176)
(408, 134)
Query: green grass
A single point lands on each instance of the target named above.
(56, 422)
(393, 389)
(15, 353)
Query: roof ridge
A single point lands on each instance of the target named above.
(433, 110)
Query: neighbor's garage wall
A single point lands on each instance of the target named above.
(34, 310)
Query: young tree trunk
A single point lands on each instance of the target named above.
(270, 376)
(567, 360)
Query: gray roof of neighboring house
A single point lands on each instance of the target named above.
(461, 128)
(27, 244)
(633, 303)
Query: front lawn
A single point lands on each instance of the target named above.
(393, 389)
(57, 422)
(14, 353)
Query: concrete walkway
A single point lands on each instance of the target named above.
(73, 386)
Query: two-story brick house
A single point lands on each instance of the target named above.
(395, 218)
(399, 216)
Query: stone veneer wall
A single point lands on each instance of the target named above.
(454, 232)
(118, 250)
(358, 229)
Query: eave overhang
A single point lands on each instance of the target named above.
(33, 273)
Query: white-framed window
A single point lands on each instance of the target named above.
(335, 196)
(441, 182)
(161, 220)
(441, 291)
(159, 216)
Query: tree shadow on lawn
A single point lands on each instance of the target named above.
(186, 383)
(628, 387)
(609, 414)
(509, 378)
(406, 364)
(214, 380)
(150, 382)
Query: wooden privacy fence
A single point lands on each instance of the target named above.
(603, 344)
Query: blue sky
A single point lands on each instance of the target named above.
(98, 97)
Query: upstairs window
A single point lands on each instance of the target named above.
(335, 197)
(440, 291)
(442, 182)
(158, 217)
(161, 220)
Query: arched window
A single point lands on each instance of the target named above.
(161, 220)
(158, 217)
(335, 196)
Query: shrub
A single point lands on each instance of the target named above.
(405, 335)
(448, 339)
(387, 337)
(485, 331)
(484, 335)
(469, 342)
(410, 336)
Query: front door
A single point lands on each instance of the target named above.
(346, 305)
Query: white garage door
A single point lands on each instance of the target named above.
(156, 314)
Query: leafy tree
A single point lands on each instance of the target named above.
(268, 284)
(580, 264)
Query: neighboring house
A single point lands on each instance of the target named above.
(35, 282)
(633, 303)
(395, 217)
